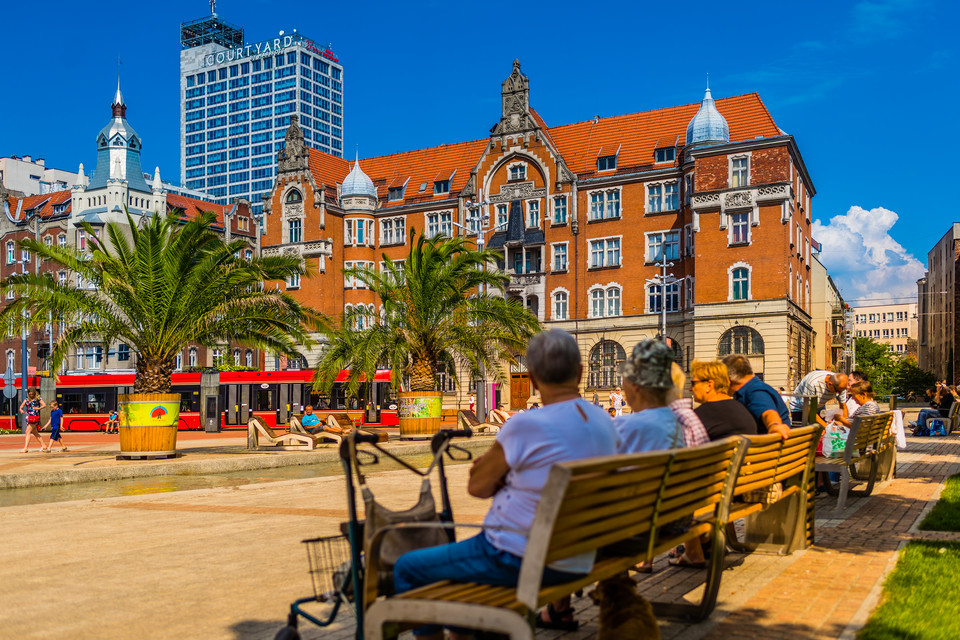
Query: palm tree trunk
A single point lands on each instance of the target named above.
(422, 375)
(154, 375)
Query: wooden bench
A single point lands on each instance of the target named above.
(469, 420)
(773, 493)
(259, 434)
(448, 414)
(586, 505)
(868, 441)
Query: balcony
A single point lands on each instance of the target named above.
(525, 279)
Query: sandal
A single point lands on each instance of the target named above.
(677, 551)
(682, 561)
(642, 567)
(560, 620)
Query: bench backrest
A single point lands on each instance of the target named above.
(868, 431)
(498, 416)
(341, 420)
(264, 428)
(770, 459)
(468, 417)
(592, 503)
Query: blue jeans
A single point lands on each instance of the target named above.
(927, 413)
(472, 560)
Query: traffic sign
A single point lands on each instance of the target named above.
(9, 391)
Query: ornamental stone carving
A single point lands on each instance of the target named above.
(293, 158)
(706, 200)
(293, 210)
(738, 200)
(774, 192)
(518, 191)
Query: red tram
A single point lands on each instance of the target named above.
(86, 400)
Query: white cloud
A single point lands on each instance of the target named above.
(864, 259)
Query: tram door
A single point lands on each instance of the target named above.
(291, 402)
(238, 404)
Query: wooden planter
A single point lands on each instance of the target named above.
(148, 425)
(419, 413)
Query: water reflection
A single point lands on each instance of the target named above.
(169, 484)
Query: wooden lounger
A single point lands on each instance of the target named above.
(469, 419)
(260, 435)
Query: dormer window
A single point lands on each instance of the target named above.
(294, 196)
(395, 193)
(664, 154)
(606, 163)
(518, 172)
(423, 187)
(441, 186)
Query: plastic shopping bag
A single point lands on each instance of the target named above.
(833, 441)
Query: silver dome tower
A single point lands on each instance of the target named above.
(708, 126)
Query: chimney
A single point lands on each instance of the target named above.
(41, 162)
(27, 159)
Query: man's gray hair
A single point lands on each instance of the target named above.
(738, 367)
(553, 357)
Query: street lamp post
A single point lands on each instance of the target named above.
(662, 279)
(476, 213)
(24, 333)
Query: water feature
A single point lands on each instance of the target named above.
(171, 483)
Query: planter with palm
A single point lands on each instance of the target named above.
(159, 287)
(441, 307)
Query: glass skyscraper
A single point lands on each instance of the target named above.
(236, 100)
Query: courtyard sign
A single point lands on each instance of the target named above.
(265, 48)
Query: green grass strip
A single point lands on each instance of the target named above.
(918, 598)
(945, 515)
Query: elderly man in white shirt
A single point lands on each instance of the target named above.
(513, 472)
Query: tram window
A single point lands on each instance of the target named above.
(69, 402)
(264, 399)
(320, 401)
(189, 398)
(338, 399)
(386, 393)
(96, 403)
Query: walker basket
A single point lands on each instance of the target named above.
(329, 559)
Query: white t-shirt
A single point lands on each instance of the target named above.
(533, 442)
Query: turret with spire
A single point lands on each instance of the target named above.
(358, 190)
(708, 126)
(118, 150)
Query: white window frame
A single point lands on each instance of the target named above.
(674, 291)
(605, 252)
(11, 252)
(661, 205)
(688, 245)
(555, 302)
(605, 299)
(559, 207)
(533, 214)
(62, 240)
(730, 270)
(290, 228)
(520, 168)
(503, 215)
(192, 357)
(646, 244)
(559, 249)
(293, 281)
(688, 291)
(605, 204)
(397, 233)
(730, 169)
(730, 227)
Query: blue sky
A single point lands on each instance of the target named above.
(865, 86)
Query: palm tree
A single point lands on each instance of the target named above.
(160, 288)
(435, 314)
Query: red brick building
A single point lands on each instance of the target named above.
(582, 213)
(115, 186)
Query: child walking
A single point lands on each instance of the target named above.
(31, 407)
(56, 419)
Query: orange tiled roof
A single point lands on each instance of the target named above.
(636, 135)
(193, 206)
(42, 204)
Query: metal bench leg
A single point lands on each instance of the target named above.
(711, 588)
(460, 614)
(775, 529)
(844, 488)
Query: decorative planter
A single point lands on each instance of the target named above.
(419, 413)
(148, 425)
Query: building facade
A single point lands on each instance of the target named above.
(236, 100)
(116, 186)
(588, 217)
(894, 325)
(937, 296)
(28, 177)
(829, 317)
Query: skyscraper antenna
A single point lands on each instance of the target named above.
(213, 7)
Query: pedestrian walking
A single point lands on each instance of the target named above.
(617, 400)
(31, 407)
(55, 421)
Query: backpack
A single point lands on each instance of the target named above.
(937, 428)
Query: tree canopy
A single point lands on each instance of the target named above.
(159, 287)
(440, 307)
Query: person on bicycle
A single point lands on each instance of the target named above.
(513, 472)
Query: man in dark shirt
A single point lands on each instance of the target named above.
(721, 415)
(761, 400)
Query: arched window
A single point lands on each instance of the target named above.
(294, 196)
(10, 359)
(178, 361)
(560, 307)
(605, 359)
(236, 357)
(743, 340)
(249, 358)
(739, 281)
(192, 358)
